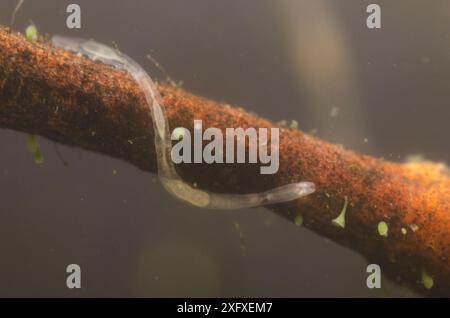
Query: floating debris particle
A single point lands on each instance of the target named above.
(340, 220)
(33, 147)
(294, 124)
(114, 172)
(427, 280)
(414, 227)
(298, 220)
(383, 228)
(31, 33)
(334, 111)
(366, 140)
(404, 231)
(238, 229)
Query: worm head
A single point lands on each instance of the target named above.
(90, 48)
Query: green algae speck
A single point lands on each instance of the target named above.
(340, 220)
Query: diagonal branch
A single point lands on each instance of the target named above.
(55, 94)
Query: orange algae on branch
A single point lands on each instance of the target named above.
(70, 99)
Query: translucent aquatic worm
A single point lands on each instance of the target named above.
(163, 143)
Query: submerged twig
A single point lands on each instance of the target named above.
(70, 99)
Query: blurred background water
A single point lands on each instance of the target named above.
(380, 92)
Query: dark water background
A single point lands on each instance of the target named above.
(281, 59)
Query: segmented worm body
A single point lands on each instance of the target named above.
(163, 145)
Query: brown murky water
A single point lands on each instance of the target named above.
(383, 93)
